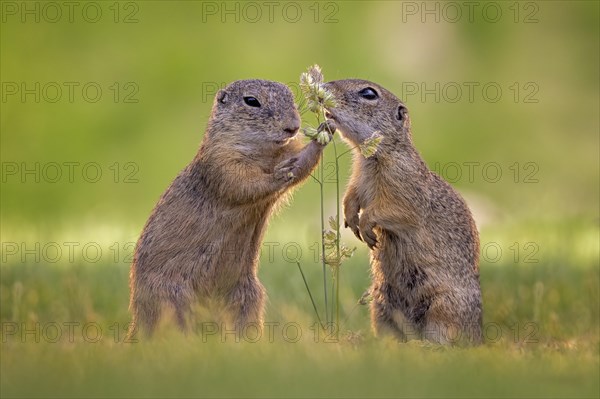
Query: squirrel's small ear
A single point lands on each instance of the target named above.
(222, 97)
(401, 113)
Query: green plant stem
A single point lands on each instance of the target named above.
(337, 301)
(347, 151)
(333, 280)
(338, 240)
(321, 187)
(310, 295)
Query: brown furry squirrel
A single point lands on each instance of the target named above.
(424, 242)
(202, 241)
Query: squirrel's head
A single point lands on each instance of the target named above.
(259, 112)
(364, 107)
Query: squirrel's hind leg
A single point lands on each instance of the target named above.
(146, 314)
(246, 304)
(385, 320)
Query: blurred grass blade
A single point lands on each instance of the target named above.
(310, 295)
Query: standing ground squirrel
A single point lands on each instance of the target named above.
(201, 243)
(425, 246)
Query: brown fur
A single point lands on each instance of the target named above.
(201, 243)
(425, 246)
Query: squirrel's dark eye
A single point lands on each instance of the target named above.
(368, 93)
(251, 101)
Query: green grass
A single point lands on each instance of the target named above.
(542, 326)
(191, 368)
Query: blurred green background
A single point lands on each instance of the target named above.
(492, 87)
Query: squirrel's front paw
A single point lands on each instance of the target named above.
(325, 132)
(286, 171)
(351, 210)
(366, 226)
(351, 220)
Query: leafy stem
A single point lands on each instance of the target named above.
(333, 252)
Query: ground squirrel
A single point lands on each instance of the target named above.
(201, 243)
(424, 242)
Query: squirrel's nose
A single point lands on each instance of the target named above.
(293, 129)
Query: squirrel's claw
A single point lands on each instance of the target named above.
(356, 232)
(286, 170)
(328, 126)
(354, 229)
(366, 226)
(371, 239)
